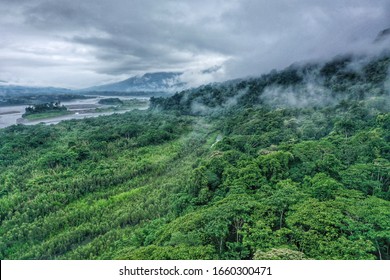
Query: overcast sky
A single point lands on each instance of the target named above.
(80, 43)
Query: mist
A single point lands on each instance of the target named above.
(77, 44)
(359, 80)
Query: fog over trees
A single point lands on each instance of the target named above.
(294, 164)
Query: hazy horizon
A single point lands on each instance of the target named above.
(77, 45)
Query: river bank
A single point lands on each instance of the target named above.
(78, 109)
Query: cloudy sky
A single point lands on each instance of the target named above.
(80, 43)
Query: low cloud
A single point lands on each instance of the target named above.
(112, 40)
(306, 95)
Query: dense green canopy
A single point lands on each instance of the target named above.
(292, 165)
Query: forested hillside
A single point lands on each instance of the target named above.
(294, 164)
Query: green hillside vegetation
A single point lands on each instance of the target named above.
(294, 164)
(110, 101)
(45, 110)
(116, 104)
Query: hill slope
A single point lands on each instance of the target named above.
(291, 165)
(155, 82)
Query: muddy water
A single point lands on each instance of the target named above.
(10, 115)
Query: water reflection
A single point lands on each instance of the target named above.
(82, 108)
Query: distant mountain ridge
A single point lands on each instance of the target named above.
(297, 86)
(149, 82)
(383, 35)
(20, 90)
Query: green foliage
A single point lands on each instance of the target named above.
(279, 254)
(44, 108)
(181, 252)
(110, 101)
(239, 170)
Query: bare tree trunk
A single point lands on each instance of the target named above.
(281, 219)
(379, 251)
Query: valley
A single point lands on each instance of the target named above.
(78, 109)
(293, 164)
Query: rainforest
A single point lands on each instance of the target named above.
(293, 164)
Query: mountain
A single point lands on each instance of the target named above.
(149, 82)
(298, 86)
(294, 164)
(383, 35)
(22, 90)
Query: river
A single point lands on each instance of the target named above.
(82, 108)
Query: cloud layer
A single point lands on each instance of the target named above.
(75, 44)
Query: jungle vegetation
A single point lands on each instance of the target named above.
(45, 110)
(294, 164)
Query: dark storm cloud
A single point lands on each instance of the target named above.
(303, 30)
(104, 39)
(57, 15)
